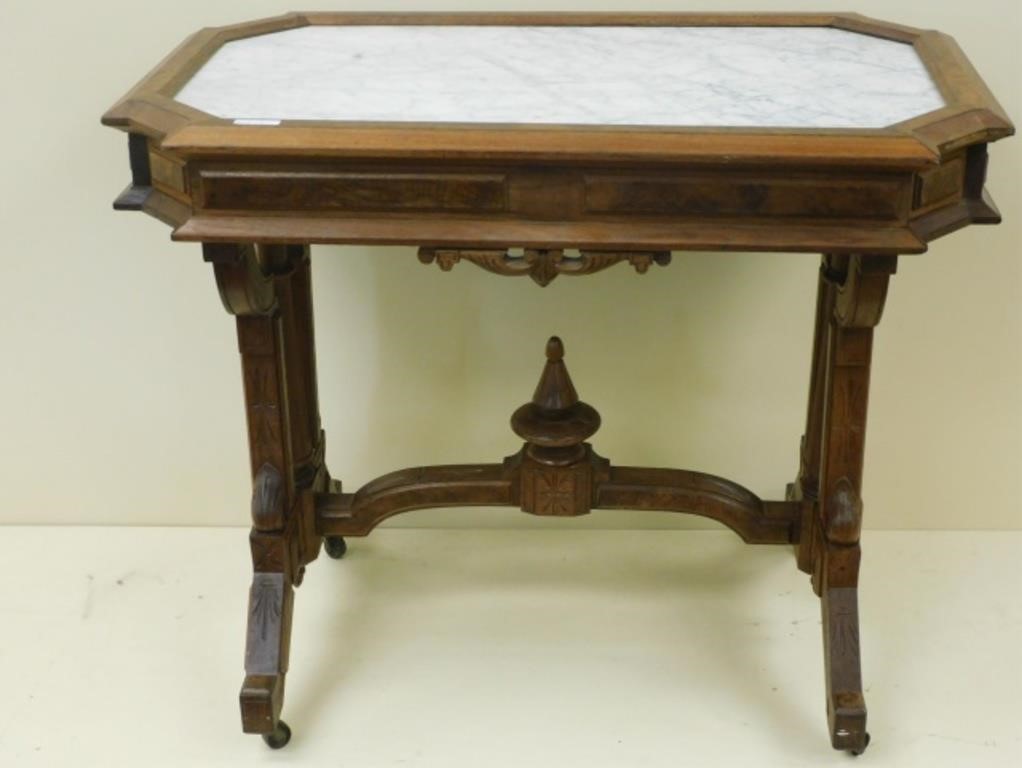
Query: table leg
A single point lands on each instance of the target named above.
(268, 290)
(857, 293)
(293, 283)
(807, 485)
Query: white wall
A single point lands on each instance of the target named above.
(120, 397)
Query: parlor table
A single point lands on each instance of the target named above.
(550, 145)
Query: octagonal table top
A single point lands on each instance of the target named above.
(811, 89)
(607, 131)
(768, 76)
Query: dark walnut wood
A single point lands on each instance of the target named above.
(268, 289)
(256, 197)
(851, 300)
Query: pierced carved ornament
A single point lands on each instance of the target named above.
(540, 264)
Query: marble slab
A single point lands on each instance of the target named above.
(788, 77)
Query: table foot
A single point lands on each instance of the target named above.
(848, 731)
(846, 706)
(853, 739)
(271, 601)
(335, 546)
(859, 750)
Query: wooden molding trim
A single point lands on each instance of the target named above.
(624, 235)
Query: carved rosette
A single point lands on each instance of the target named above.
(559, 491)
(543, 265)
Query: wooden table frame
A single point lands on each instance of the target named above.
(256, 198)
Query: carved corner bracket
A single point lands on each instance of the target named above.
(246, 273)
(861, 287)
(543, 265)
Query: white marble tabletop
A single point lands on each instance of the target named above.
(795, 77)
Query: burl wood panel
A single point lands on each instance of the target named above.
(702, 194)
(323, 189)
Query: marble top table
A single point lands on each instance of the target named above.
(550, 145)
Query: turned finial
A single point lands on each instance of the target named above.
(555, 423)
(555, 349)
(555, 392)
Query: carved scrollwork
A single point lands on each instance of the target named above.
(861, 282)
(542, 265)
(245, 273)
(245, 286)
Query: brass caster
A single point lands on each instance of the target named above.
(857, 752)
(335, 546)
(278, 737)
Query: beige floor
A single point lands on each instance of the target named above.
(122, 647)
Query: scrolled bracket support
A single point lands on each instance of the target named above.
(246, 273)
(861, 287)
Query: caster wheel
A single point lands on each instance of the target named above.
(278, 737)
(335, 546)
(857, 752)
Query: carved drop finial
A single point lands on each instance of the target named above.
(843, 513)
(555, 424)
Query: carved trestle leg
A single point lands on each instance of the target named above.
(268, 290)
(852, 294)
